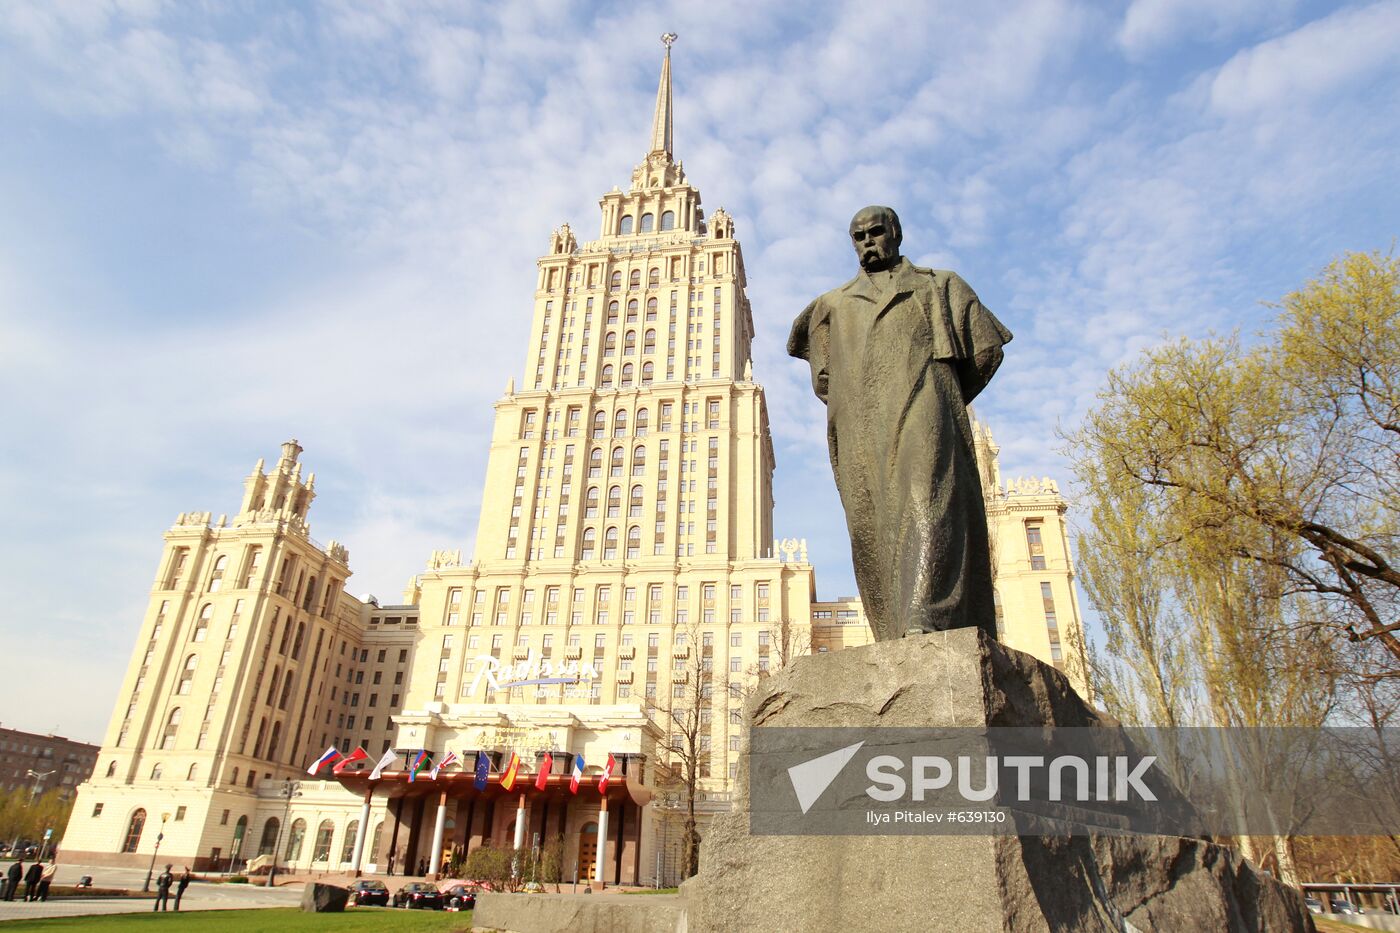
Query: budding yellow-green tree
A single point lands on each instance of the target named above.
(1284, 455)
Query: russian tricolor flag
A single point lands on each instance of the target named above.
(331, 754)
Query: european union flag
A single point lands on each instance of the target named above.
(483, 769)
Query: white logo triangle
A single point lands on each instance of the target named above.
(811, 778)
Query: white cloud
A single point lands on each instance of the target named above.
(1312, 62)
(1151, 25)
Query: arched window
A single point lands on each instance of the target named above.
(347, 849)
(216, 576)
(235, 776)
(610, 544)
(201, 625)
(607, 379)
(295, 836)
(632, 311)
(240, 829)
(643, 418)
(629, 344)
(133, 831)
(268, 844)
(272, 684)
(595, 462)
(634, 503)
(620, 423)
(193, 773)
(651, 309)
(625, 227)
(612, 310)
(648, 223)
(668, 220)
(627, 373)
(262, 730)
(172, 726)
(649, 341)
(310, 594)
(634, 542)
(639, 461)
(600, 424)
(614, 501)
(187, 675)
(112, 769)
(590, 538)
(590, 506)
(635, 279)
(374, 839)
(610, 343)
(654, 278)
(157, 771)
(616, 468)
(286, 691)
(275, 737)
(296, 646)
(648, 373)
(616, 281)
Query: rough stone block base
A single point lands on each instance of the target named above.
(578, 913)
(320, 898)
(997, 884)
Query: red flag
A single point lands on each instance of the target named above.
(508, 776)
(545, 767)
(358, 754)
(607, 773)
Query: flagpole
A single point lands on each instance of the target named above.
(435, 856)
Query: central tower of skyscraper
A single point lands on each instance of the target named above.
(626, 522)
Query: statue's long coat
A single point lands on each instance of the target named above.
(897, 356)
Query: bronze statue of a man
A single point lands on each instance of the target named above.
(897, 354)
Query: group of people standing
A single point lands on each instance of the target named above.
(164, 881)
(36, 880)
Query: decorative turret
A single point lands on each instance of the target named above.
(279, 493)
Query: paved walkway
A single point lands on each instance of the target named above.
(199, 895)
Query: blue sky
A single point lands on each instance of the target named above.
(223, 225)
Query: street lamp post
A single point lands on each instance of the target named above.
(38, 777)
(146, 888)
(289, 790)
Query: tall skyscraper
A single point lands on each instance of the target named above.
(625, 593)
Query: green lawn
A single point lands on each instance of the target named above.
(276, 920)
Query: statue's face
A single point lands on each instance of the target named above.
(877, 245)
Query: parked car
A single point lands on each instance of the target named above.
(369, 893)
(419, 894)
(460, 897)
(1313, 904)
(1343, 906)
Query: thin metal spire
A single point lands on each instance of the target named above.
(661, 122)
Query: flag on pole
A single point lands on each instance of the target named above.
(577, 774)
(607, 773)
(331, 754)
(546, 766)
(449, 759)
(483, 771)
(420, 761)
(512, 769)
(358, 754)
(389, 758)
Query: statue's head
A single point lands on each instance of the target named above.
(876, 235)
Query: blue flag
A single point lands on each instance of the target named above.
(483, 769)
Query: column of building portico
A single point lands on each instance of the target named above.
(435, 856)
(600, 862)
(361, 834)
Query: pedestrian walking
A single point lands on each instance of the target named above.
(46, 879)
(163, 883)
(31, 881)
(12, 878)
(185, 879)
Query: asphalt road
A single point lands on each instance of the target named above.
(199, 896)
